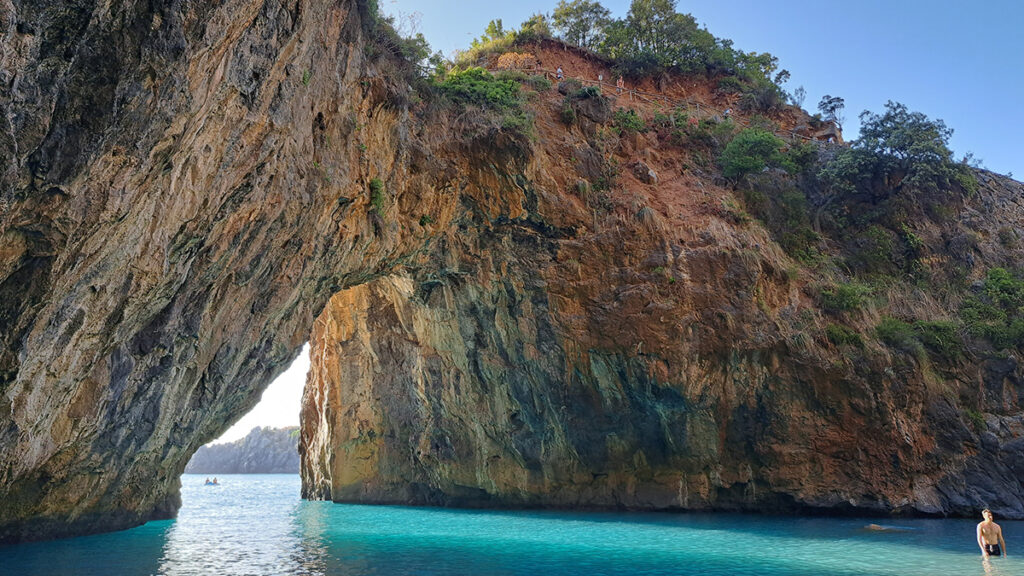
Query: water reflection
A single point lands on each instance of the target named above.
(244, 525)
(309, 526)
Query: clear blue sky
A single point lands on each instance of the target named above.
(956, 60)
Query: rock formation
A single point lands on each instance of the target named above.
(185, 185)
(652, 348)
(263, 451)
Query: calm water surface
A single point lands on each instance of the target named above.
(256, 524)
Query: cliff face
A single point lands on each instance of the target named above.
(184, 186)
(262, 451)
(651, 347)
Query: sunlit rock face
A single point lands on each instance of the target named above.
(183, 185)
(650, 348)
(183, 188)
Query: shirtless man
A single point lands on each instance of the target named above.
(990, 536)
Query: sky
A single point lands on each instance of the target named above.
(280, 403)
(954, 60)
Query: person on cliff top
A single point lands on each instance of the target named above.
(990, 536)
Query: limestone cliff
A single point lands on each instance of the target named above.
(184, 186)
(652, 347)
(263, 450)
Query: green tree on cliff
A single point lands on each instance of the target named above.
(535, 28)
(751, 151)
(831, 108)
(581, 22)
(494, 32)
(898, 150)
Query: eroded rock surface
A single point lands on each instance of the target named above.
(650, 347)
(184, 186)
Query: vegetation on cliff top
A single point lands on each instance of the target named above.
(864, 199)
(652, 39)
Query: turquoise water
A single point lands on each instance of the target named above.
(256, 524)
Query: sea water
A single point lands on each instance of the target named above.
(256, 524)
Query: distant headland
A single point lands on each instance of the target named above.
(264, 450)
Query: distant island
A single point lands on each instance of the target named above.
(263, 451)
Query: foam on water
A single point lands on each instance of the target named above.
(256, 524)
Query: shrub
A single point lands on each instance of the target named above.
(751, 151)
(874, 254)
(941, 337)
(627, 120)
(378, 196)
(802, 156)
(845, 297)
(976, 419)
(517, 121)
(841, 335)
(568, 113)
(478, 86)
(996, 313)
(513, 75)
(898, 334)
(661, 120)
(539, 83)
(569, 86)
(730, 85)
(764, 96)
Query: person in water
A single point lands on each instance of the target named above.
(990, 536)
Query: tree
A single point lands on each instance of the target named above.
(581, 22)
(909, 143)
(495, 31)
(798, 97)
(650, 22)
(831, 108)
(897, 151)
(751, 151)
(534, 28)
